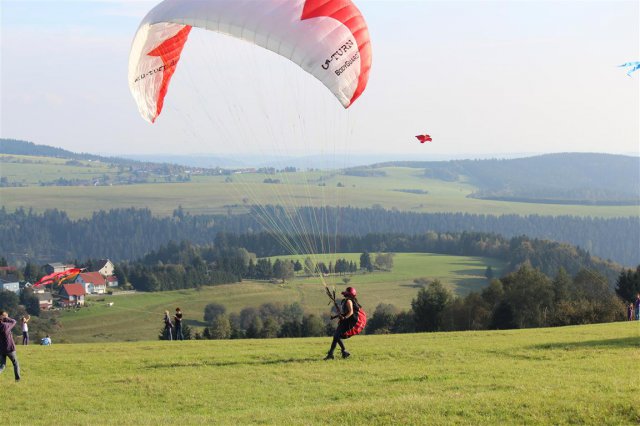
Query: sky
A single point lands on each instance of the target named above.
(483, 78)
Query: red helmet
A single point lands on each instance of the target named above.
(349, 292)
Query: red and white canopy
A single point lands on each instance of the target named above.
(329, 39)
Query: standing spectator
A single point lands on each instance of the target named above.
(25, 330)
(177, 318)
(7, 345)
(168, 327)
(637, 307)
(630, 312)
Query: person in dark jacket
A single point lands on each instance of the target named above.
(7, 345)
(177, 319)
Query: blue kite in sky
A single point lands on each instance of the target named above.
(634, 67)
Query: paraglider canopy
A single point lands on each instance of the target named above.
(633, 66)
(329, 39)
(424, 138)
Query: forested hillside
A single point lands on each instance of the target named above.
(19, 147)
(571, 178)
(131, 233)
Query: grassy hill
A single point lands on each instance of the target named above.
(138, 316)
(401, 188)
(569, 375)
(597, 185)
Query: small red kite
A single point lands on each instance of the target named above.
(424, 138)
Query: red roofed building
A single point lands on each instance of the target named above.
(112, 281)
(5, 270)
(72, 295)
(93, 282)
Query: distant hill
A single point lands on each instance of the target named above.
(19, 147)
(575, 178)
(567, 178)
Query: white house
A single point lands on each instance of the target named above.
(105, 267)
(36, 290)
(92, 282)
(10, 284)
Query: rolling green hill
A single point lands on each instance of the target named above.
(568, 375)
(215, 194)
(596, 185)
(138, 316)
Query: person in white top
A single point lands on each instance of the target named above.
(25, 329)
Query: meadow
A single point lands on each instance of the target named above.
(139, 316)
(569, 375)
(32, 170)
(229, 194)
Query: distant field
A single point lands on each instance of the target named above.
(214, 195)
(138, 316)
(561, 376)
(32, 170)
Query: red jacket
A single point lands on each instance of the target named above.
(7, 344)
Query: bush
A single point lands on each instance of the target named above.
(213, 310)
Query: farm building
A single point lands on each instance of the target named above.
(10, 284)
(92, 282)
(45, 300)
(72, 295)
(50, 268)
(112, 281)
(105, 267)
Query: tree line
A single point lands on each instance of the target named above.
(26, 234)
(526, 298)
(269, 320)
(224, 257)
(232, 258)
(179, 266)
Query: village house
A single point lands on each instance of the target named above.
(36, 290)
(112, 281)
(10, 283)
(6, 270)
(92, 282)
(50, 268)
(45, 300)
(24, 285)
(72, 295)
(105, 267)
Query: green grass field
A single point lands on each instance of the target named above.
(139, 316)
(32, 170)
(570, 375)
(211, 194)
